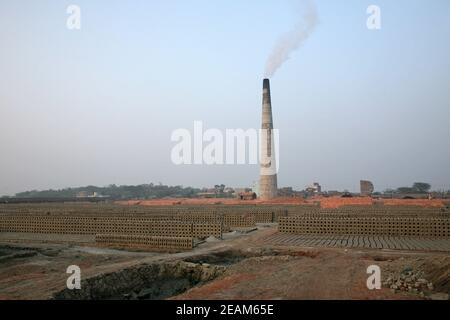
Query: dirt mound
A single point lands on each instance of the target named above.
(336, 202)
(414, 202)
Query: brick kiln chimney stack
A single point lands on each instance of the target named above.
(268, 175)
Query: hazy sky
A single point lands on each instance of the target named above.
(98, 106)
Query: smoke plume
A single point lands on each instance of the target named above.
(294, 39)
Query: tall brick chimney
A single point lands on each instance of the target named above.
(268, 175)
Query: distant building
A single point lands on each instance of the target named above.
(87, 194)
(206, 195)
(286, 192)
(219, 191)
(247, 196)
(316, 188)
(83, 194)
(239, 191)
(366, 188)
(228, 190)
(289, 192)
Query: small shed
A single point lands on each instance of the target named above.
(247, 196)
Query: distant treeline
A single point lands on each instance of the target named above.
(416, 188)
(144, 191)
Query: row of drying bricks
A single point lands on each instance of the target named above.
(157, 232)
(142, 226)
(227, 220)
(101, 211)
(416, 212)
(436, 227)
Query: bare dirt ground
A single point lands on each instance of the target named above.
(254, 269)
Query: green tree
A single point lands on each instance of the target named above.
(405, 190)
(421, 187)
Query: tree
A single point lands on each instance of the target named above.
(421, 187)
(405, 190)
(149, 191)
(219, 188)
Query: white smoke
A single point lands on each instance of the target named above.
(293, 39)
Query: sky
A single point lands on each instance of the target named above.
(97, 106)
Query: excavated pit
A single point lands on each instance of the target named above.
(145, 282)
(8, 253)
(224, 258)
(230, 257)
(158, 281)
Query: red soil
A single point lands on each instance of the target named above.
(214, 201)
(336, 202)
(331, 202)
(414, 202)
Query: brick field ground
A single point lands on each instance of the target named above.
(355, 241)
(256, 268)
(261, 264)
